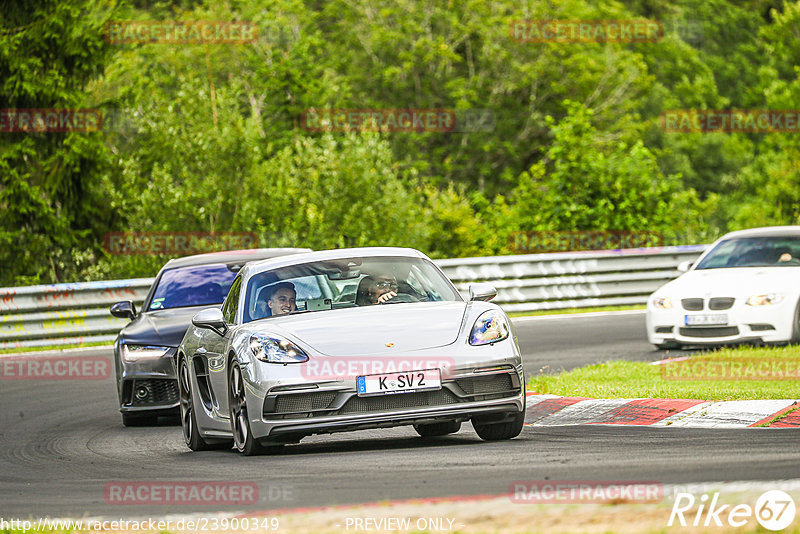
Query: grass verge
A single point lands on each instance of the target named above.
(576, 310)
(741, 373)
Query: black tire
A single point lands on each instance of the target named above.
(243, 439)
(431, 430)
(191, 433)
(500, 431)
(489, 431)
(138, 419)
(796, 326)
(667, 345)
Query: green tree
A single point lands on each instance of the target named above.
(52, 214)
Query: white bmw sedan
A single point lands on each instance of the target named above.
(743, 288)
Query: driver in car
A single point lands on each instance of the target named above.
(282, 299)
(376, 289)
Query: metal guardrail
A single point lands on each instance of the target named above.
(61, 314)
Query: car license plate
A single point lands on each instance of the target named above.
(706, 320)
(404, 382)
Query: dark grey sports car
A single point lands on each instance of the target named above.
(342, 340)
(145, 349)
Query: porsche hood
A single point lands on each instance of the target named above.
(371, 331)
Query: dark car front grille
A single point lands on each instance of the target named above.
(154, 391)
(709, 331)
(692, 304)
(720, 303)
(439, 397)
(482, 385)
(304, 402)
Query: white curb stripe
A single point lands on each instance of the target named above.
(727, 414)
(582, 412)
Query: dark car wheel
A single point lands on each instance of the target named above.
(138, 419)
(489, 430)
(191, 433)
(431, 430)
(240, 424)
(795, 339)
(498, 431)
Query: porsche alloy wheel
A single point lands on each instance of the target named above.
(240, 425)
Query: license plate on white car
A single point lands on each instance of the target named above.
(706, 320)
(403, 382)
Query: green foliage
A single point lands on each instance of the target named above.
(209, 138)
(51, 210)
(587, 183)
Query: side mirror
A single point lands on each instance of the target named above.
(123, 310)
(211, 319)
(482, 291)
(685, 266)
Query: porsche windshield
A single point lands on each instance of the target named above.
(773, 251)
(345, 283)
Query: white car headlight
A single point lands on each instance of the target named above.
(490, 327)
(764, 300)
(274, 349)
(132, 353)
(664, 303)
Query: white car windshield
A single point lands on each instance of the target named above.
(773, 251)
(344, 283)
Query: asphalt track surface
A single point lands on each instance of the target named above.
(62, 442)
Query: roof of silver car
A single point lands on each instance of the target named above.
(766, 231)
(334, 254)
(233, 256)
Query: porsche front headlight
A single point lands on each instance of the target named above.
(664, 303)
(274, 349)
(132, 353)
(490, 327)
(764, 300)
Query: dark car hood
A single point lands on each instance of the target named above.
(161, 327)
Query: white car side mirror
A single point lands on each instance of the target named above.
(684, 266)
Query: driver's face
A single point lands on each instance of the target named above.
(384, 284)
(282, 302)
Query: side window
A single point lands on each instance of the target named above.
(232, 302)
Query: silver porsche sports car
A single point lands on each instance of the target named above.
(344, 340)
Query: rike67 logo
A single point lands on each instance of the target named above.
(774, 510)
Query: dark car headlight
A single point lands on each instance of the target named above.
(133, 353)
(490, 327)
(275, 349)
